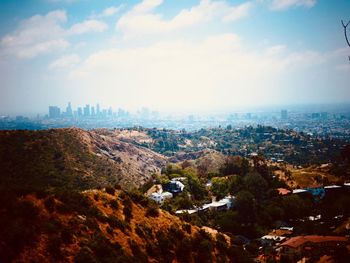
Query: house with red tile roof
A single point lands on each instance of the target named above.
(298, 247)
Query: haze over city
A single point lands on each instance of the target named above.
(174, 56)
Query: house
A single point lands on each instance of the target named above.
(316, 191)
(174, 187)
(154, 189)
(160, 197)
(223, 204)
(298, 247)
(303, 193)
(189, 211)
(275, 237)
(283, 191)
(271, 240)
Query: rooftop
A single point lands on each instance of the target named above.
(283, 191)
(297, 241)
(332, 186)
(297, 191)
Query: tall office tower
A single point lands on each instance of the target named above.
(87, 110)
(98, 109)
(92, 111)
(80, 112)
(69, 110)
(315, 115)
(284, 114)
(120, 113)
(110, 111)
(54, 112)
(324, 115)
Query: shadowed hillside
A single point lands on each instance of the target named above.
(72, 158)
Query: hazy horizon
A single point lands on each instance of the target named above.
(173, 56)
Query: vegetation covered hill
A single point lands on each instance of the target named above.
(102, 226)
(60, 201)
(73, 158)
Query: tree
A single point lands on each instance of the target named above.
(219, 187)
(345, 31)
(256, 184)
(195, 187)
(246, 206)
(296, 207)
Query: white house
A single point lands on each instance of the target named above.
(161, 197)
(223, 204)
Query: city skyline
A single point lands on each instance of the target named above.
(284, 112)
(183, 56)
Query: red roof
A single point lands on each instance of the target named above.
(300, 240)
(283, 191)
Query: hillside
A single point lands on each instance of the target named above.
(102, 226)
(56, 205)
(73, 158)
(298, 177)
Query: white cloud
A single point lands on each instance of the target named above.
(43, 34)
(42, 48)
(238, 12)
(285, 4)
(146, 6)
(110, 11)
(65, 62)
(214, 72)
(37, 35)
(87, 26)
(142, 19)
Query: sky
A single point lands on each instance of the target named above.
(176, 56)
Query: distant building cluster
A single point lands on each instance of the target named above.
(87, 111)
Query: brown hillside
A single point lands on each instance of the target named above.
(95, 226)
(73, 158)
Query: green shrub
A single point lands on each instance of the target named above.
(114, 204)
(67, 235)
(127, 210)
(52, 226)
(164, 243)
(183, 250)
(139, 198)
(109, 230)
(137, 252)
(50, 204)
(139, 231)
(221, 242)
(152, 210)
(54, 246)
(175, 233)
(115, 222)
(85, 255)
(187, 228)
(204, 251)
(110, 190)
